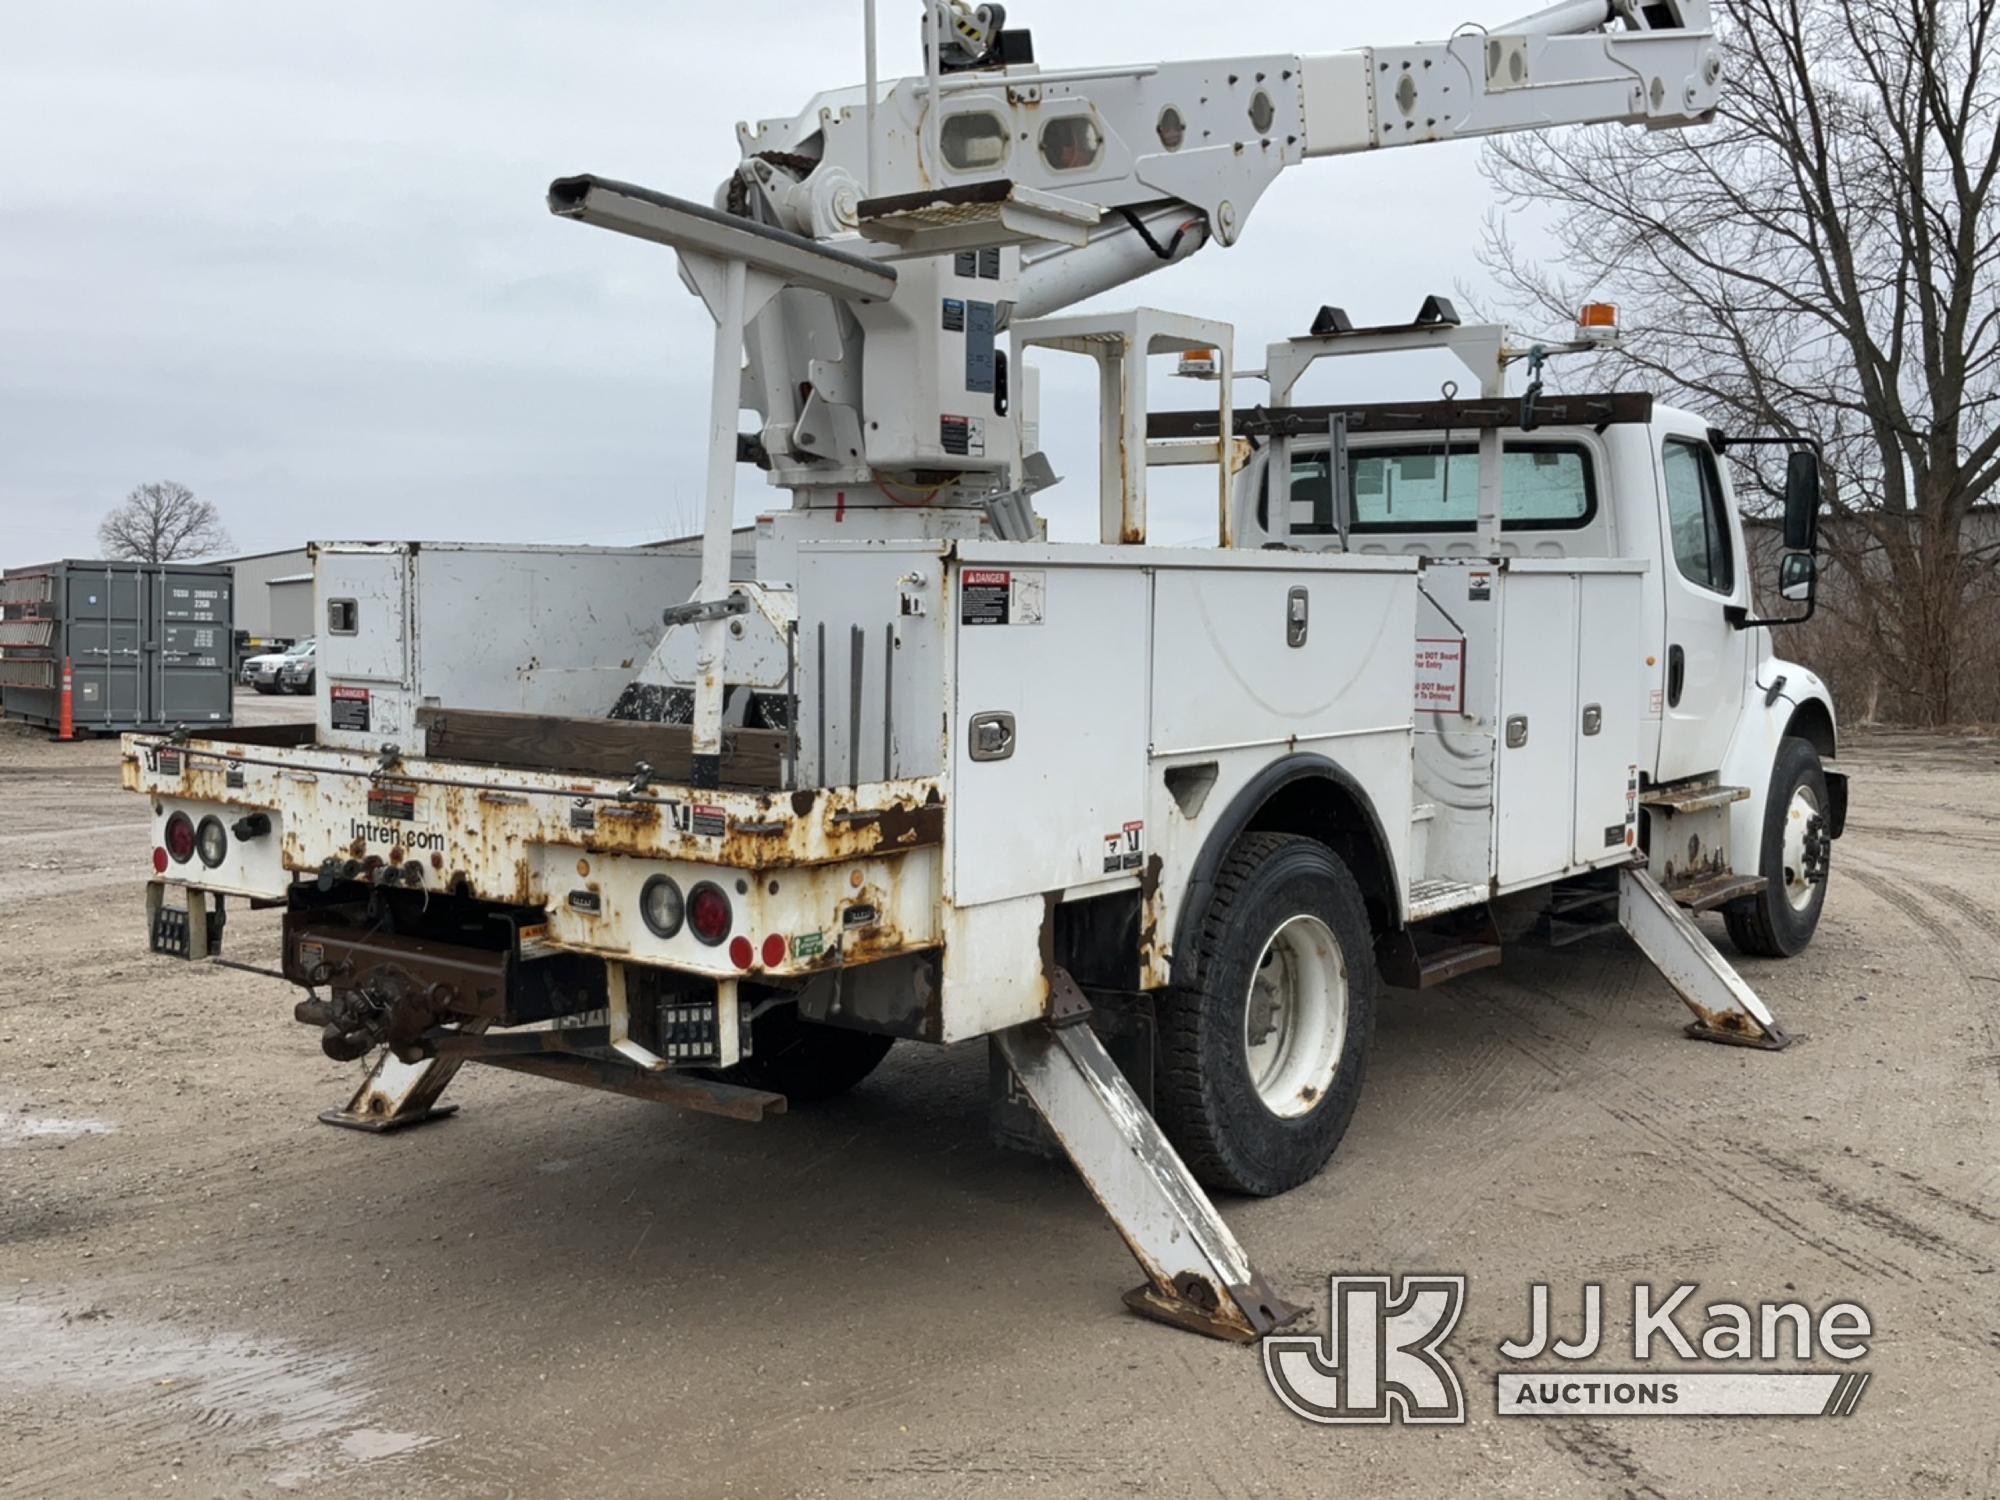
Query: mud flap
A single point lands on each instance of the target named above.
(1725, 1008)
(1197, 1276)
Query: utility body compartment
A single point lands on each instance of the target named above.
(545, 630)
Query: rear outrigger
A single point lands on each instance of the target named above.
(1160, 822)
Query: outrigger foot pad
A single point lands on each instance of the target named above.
(347, 1119)
(1195, 1307)
(1775, 1039)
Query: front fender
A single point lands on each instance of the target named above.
(1785, 699)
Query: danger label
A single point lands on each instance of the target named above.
(1441, 676)
(347, 708)
(1002, 596)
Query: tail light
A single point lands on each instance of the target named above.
(180, 838)
(708, 913)
(661, 906)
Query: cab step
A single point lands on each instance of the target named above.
(1451, 963)
(1461, 940)
(1692, 797)
(1709, 892)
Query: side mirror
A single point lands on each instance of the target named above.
(1802, 498)
(1796, 576)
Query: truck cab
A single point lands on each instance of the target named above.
(1613, 476)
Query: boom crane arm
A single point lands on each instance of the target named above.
(1203, 139)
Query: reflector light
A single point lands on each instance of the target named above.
(740, 954)
(709, 914)
(180, 838)
(159, 861)
(774, 951)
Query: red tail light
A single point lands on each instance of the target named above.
(180, 838)
(709, 914)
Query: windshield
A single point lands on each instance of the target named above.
(303, 648)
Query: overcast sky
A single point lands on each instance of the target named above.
(296, 255)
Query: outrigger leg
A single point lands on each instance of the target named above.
(1197, 1276)
(397, 1094)
(1725, 1008)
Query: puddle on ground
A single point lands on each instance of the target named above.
(21, 1129)
(306, 1408)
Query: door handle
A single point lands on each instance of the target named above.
(1676, 675)
(992, 737)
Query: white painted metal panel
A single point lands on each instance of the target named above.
(1610, 674)
(1224, 675)
(376, 581)
(547, 631)
(1536, 807)
(1456, 753)
(894, 594)
(1075, 680)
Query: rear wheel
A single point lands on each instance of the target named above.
(1797, 853)
(1262, 1056)
(804, 1060)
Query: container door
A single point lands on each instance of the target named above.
(191, 626)
(1537, 730)
(102, 619)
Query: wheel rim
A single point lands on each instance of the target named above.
(1801, 817)
(1295, 1021)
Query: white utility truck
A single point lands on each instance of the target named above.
(1159, 821)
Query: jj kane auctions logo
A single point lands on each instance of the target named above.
(1383, 1357)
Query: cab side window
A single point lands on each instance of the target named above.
(1697, 517)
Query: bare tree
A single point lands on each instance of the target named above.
(162, 522)
(1824, 259)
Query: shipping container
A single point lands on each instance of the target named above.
(147, 644)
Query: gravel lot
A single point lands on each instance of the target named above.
(203, 1291)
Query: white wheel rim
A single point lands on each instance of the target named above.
(1799, 817)
(1295, 1018)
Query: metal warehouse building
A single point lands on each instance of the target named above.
(274, 595)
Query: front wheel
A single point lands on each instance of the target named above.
(1798, 851)
(1262, 1055)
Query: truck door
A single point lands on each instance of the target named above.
(1701, 669)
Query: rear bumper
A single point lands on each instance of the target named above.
(815, 879)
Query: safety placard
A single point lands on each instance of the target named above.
(1002, 596)
(1441, 676)
(347, 708)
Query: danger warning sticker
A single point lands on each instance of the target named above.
(348, 708)
(1002, 596)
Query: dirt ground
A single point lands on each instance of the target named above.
(204, 1292)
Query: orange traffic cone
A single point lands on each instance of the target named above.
(68, 729)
